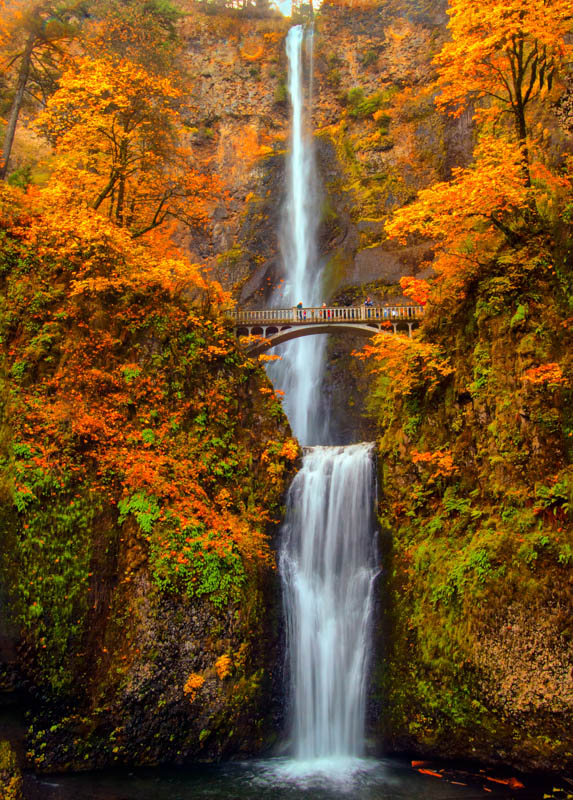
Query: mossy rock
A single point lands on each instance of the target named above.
(10, 775)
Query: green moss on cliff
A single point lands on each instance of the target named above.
(477, 489)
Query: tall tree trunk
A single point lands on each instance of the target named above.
(17, 103)
(521, 130)
(121, 184)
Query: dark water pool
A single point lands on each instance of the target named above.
(279, 779)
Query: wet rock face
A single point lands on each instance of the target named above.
(345, 387)
(527, 661)
(202, 683)
(388, 263)
(238, 119)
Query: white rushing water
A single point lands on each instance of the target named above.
(328, 554)
(328, 565)
(299, 374)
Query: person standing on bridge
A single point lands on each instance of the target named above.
(299, 310)
(368, 303)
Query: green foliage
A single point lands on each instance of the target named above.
(494, 534)
(281, 92)
(21, 177)
(50, 562)
(360, 105)
(201, 565)
(454, 504)
(519, 316)
(481, 371)
(369, 57)
(555, 497)
(145, 510)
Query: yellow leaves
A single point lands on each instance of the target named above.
(224, 499)
(439, 463)
(252, 52)
(407, 363)
(275, 473)
(502, 48)
(265, 358)
(273, 37)
(116, 129)
(223, 666)
(290, 450)
(192, 685)
(217, 351)
(494, 183)
(103, 257)
(468, 215)
(415, 288)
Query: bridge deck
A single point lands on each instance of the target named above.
(333, 314)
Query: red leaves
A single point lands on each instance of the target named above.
(550, 375)
(415, 288)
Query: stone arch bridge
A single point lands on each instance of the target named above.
(269, 327)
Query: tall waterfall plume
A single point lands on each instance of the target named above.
(299, 374)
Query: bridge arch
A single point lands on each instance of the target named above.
(287, 334)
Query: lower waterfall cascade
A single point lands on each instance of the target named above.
(328, 565)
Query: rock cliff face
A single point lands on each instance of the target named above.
(372, 154)
(239, 122)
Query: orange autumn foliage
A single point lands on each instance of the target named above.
(506, 50)
(415, 288)
(502, 57)
(124, 158)
(223, 666)
(545, 374)
(407, 363)
(192, 685)
(470, 215)
(439, 463)
(123, 384)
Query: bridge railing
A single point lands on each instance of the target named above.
(313, 314)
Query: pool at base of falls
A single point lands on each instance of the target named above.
(276, 779)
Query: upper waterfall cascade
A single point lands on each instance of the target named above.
(299, 374)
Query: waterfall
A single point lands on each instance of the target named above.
(328, 563)
(299, 374)
(328, 556)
